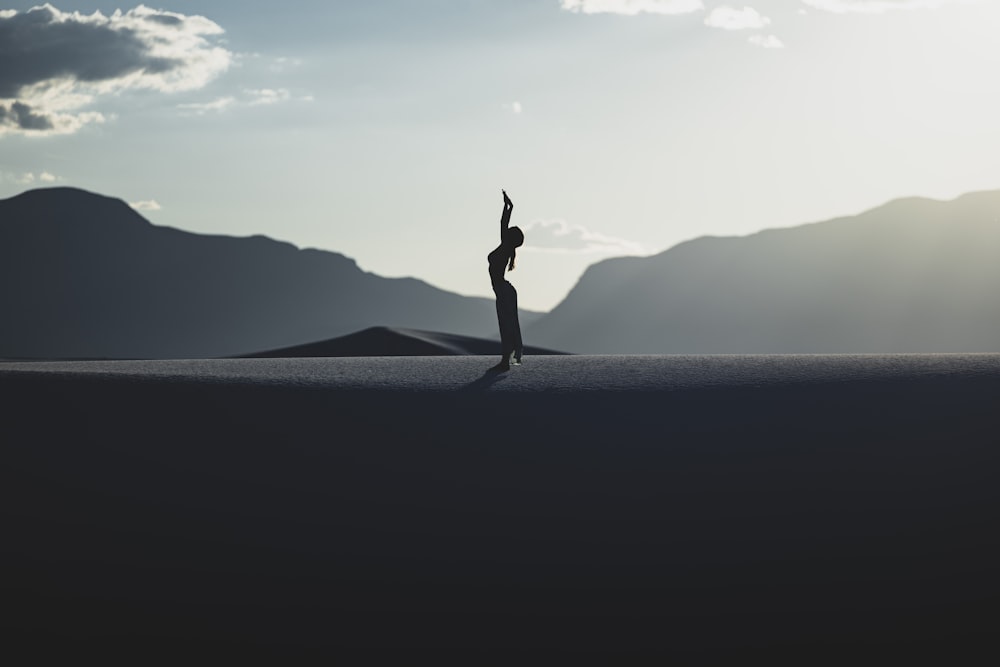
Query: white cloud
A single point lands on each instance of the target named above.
(730, 18)
(632, 7)
(880, 6)
(766, 41)
(514, 107)
(28, 178)
(283, 63)
(559, 236)
(251, 97)
(38, 120)
(57, 63)
(260, 96)
(201, 108)
(145, 205)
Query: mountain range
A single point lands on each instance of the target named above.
(914, 275)
(85, 276)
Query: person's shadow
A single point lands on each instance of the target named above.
(489, 378)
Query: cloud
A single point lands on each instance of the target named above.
(54, 63)
(29, 178)
(880, 6)
(267, 96)
(766, 41)
(252, 97)
(730, 18)
(559, 236)
(145, 205)
(723, 17)
(201, 108)
(22, 115)
(632, 7)
(282, 63)
(513, 107)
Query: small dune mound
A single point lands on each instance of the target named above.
(396, 342)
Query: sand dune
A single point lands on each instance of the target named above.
(803, 508)
(396, 342)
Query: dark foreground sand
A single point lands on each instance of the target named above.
(812, 510)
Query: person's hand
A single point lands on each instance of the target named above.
(506, 199)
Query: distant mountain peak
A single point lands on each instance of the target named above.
(64, 203)
(62, 193)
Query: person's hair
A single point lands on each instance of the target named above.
(515, 238)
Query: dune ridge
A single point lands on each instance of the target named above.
(396, 342)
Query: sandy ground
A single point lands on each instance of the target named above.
(807, 509)
(537, 374)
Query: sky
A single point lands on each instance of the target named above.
(385, 129)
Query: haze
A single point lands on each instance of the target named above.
(385, 130)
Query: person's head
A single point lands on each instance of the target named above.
(513, 239)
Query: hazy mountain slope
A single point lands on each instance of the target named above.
(82, 275)
(914, 275)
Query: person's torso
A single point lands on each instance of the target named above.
(498, 264)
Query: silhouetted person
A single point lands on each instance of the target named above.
(501, 260)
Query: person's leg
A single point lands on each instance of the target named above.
(515, 326)
(506, 343)
(512, 332)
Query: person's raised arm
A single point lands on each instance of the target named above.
(508, 206)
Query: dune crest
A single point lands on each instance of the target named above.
(396, 342)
